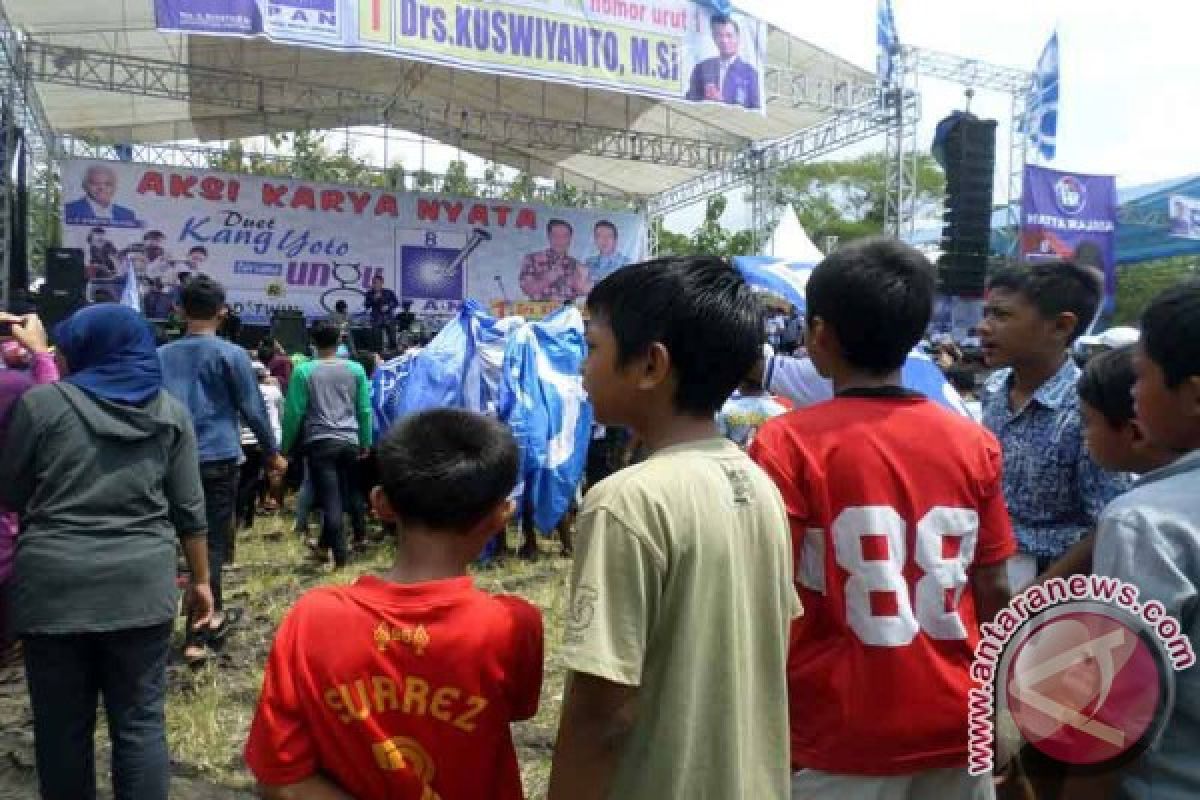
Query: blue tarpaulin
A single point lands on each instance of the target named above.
(526, 374)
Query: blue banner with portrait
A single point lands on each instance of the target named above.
(669, 49)
(1071, 216)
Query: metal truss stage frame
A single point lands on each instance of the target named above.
(855, 112)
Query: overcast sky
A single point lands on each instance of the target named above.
(1130, 102)
(1130, 95)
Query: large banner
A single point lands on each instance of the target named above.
(670, 49)
(1184, 214)
(1066, 215)
(277, 243)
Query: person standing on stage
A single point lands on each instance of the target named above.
(381, 304)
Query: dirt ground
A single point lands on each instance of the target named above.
(209, 709)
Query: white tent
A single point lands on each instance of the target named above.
(790, 242)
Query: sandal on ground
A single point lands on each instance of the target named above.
(195, 648)
(232, 617)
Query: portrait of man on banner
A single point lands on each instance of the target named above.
(97, 206)
(727, 77)
(608, 257)
(554, 274)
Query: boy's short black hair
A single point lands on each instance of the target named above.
(325, 334)
(877, 296)
(1171, 332)
(700, 308)
(202, 298)
(1053, 288)
(265, 350)
(1107, 385)
(447, 469)
(199, 249)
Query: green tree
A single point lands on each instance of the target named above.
(708, 239)
(523, 189)
(457, 182)
(847, 199)
(45, 227)
(1137, 284)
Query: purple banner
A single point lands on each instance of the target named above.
(1069, 216)
(210, 16)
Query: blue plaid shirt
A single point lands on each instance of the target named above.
(1054, 491)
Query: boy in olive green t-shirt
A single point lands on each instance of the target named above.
(682, 593)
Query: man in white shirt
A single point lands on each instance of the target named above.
(798, 380)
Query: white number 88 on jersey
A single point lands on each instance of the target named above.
(870, 544)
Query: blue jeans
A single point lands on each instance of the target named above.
(304, 500)
(220, 482)
(66, 673)
(331, 466)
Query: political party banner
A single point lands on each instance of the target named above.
(1070, 216)
(278, 243)
(1184, 215)
(670, 49)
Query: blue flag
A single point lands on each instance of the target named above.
(1041, 122)
(887, 42)
(787, 279)
(525, 374)
(544, 404)
(131, 294)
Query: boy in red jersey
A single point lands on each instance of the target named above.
(403, 687)
(900, 535)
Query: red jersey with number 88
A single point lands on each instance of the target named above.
(894, 501)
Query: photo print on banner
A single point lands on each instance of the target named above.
(667, 49)
(282, 244)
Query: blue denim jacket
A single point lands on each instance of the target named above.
(215, 382)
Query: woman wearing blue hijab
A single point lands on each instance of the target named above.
(102, 469)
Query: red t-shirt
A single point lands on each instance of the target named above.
(893, 502)
(403, 692)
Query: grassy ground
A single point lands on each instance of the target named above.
(209, 709)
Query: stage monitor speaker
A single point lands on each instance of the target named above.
(368, 339)
(290, 330)
(250, 336)
(64, 270)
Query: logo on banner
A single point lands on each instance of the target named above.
(1071, 195)
(431, 264)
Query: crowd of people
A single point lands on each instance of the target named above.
(774, 593)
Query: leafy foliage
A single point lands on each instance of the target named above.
(847, 199)
(1137, 284)
(709, 239)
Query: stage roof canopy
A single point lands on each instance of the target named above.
(93, 82)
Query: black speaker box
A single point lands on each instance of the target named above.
(64, 270)
(290, 330)
(251, 336)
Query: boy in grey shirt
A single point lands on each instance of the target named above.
(1150, 536)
